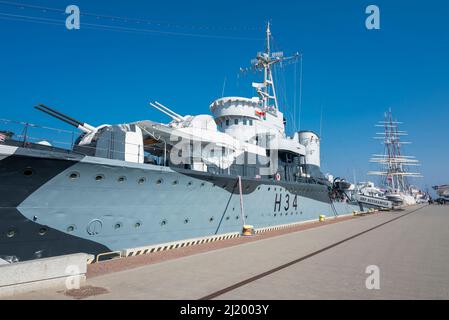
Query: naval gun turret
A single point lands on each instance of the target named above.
(119, 142)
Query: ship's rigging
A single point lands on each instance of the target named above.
(394, 164)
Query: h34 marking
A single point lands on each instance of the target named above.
(286, 202)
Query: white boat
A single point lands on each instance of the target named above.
(442, 191)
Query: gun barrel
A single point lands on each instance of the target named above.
(168, 110)
(61, 114)
(64, 118)
(165, 112)
(57, 116)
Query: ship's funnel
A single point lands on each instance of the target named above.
(311, 141)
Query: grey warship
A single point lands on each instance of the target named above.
(142, 183)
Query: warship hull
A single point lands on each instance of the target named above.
(55, 203)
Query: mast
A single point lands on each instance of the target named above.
(268, 38)
(393, 162)
(268, 74)
(264, 61)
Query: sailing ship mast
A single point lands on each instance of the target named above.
(394, 164)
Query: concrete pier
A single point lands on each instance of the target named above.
(388, 255)
(36, 275)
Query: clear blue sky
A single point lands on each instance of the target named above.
(105, 76)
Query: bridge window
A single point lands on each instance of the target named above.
(245, 122)
(250, 122)
(227, 123)
(236, 121)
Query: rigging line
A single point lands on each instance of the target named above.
(287, 102)
(126, 29)
(29, 20)
(25, 5)
(224, 87)
(294, 96)
(300, 92)
(125, 19)
(171, 33)
(280, 79)
(321, 123)
(227, 206)
(34, 125)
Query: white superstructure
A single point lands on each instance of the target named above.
(240, 128)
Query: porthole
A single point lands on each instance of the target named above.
(237, 217)
(159, 181)
(137, 225)
(211, 219)
(71, 228)
(121, 179)
(175, 182)
(94, 227)
(190, 183)
(99, 177)
(11, 233)
(141, 181)
(42, 231)
(203, 184)
(227, 218)
(117, 226)
(28, 172)
(275, 214)
(186, 221)
(74, 175)
(269, 189)
(164, 222)
(246, 217)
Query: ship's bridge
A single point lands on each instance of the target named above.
(244, 119)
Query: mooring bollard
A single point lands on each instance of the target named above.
(247, 230)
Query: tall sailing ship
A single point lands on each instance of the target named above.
(395, 173)
(143, 183)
